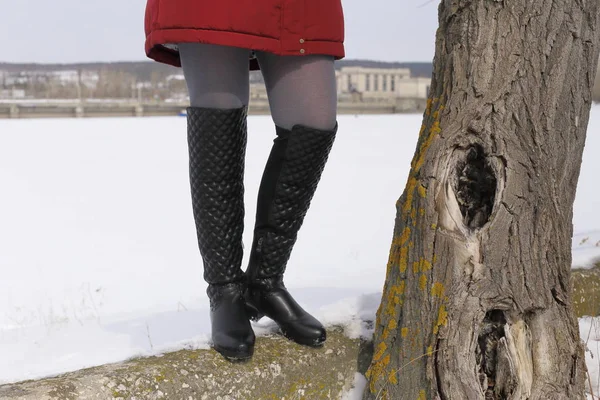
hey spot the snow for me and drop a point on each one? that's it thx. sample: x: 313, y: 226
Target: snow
x: 589, y: 329
x: 358, y: 388
x: 99, y: 253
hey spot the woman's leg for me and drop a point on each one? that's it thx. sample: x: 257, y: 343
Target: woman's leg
x: 302, y: 94
x: 217, y: 78
x: 301, y: 90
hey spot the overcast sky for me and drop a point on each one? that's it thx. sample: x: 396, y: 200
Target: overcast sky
x: 64, y: 31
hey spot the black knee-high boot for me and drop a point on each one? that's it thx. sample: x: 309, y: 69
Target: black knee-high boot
x: 217, y: 147
x: 289, y: 182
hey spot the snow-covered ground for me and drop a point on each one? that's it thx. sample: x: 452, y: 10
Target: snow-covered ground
x: 98, y: 252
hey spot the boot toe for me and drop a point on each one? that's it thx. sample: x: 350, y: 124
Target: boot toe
x: 295, y: 323
x: 306, y: 331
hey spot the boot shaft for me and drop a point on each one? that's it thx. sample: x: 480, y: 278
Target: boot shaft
x: 217, y: 147
x: 291, y: 177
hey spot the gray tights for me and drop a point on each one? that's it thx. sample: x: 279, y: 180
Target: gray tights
x: 301, y: 89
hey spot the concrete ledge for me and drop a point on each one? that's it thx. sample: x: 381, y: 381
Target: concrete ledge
x: 279, y: 369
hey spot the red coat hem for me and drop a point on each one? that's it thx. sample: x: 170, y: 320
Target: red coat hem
x: 156, y: 51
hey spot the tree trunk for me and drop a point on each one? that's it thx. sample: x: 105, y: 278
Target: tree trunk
x: 596, y: 92
x: 477, y: 303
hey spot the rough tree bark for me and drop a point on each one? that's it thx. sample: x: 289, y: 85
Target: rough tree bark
x: 476, y: 303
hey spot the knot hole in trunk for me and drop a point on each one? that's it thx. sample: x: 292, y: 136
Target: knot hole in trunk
x: 486, y: 355
x: 475, y: 187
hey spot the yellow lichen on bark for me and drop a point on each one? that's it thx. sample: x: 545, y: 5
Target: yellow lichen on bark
x: 399, y: 251
x: 380, y: 351
x: 397, y: 244
x: 442, y: 319
x: 420, y: 160
x: 437, y: 290
x: 392, y: 378
x: 428, y: 108
x: 435, y: 129
x: 413, y: 216
x: 391, y: 258
x: 377, y: 371
x: 411, y: 185
x: 394, y: 298
x: 430, y: 102
x: 426, y: 142
x: 416, y: 267
x: 403, y: 259
x: 405, y: 236
x: 423, y: 282
x: 392, y: 325
x: 425, y: 265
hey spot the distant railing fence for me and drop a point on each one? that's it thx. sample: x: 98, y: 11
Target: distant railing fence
x: 66, y: 109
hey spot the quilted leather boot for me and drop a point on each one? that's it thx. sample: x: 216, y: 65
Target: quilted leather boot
x: 217, y: 147
x: 288, y: 184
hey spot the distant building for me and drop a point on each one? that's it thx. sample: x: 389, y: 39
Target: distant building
x: 60, y: 77
x: 368, y: 84
x: 86, y: 78
x: 380, y: 84
x: 12, y: 94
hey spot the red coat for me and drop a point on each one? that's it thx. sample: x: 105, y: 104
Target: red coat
x: 284, y: 27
